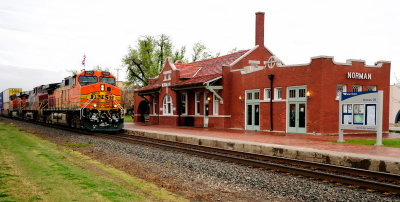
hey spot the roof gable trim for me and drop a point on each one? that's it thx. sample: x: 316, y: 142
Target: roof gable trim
x: 243, y: 56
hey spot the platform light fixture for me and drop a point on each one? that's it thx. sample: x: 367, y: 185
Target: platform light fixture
x: 308, y: 94
x: 240, y: 98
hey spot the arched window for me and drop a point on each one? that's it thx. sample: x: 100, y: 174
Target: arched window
x: 167, y: 105
x: 397, y: 119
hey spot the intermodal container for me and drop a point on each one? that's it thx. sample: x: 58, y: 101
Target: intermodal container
x: 10, y: 91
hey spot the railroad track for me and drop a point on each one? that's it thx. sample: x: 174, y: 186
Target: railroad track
x: 379, y: 181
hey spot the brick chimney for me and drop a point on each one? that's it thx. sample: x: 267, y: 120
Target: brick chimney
x: 260, y: 28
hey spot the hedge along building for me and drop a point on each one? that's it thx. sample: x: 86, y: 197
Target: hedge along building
x: 254, y: 90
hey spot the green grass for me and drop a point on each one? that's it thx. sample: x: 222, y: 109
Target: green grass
x: 79, y: 144
x: 128, y: 118
x: 32, y: 169
x: 386, y: 142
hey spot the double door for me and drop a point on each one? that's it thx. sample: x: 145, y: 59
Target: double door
x: 297, y: 117
x: 297, y: 110
x: 253, y: 110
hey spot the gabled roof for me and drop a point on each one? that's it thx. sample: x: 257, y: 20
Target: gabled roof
x: 196, y: 73
x: 197, y: 80
x: 210, y: 68
x: 214, y: 65
x: 187, y: 70
x: 150, y: 87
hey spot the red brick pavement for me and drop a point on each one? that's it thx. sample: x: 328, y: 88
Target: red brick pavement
x: 320, y: 142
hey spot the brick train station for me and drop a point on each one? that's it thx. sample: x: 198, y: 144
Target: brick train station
x: 255, y: 90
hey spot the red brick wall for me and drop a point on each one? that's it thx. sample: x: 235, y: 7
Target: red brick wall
x: 321, y: 78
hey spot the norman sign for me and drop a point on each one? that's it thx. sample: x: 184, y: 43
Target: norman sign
x: 358, y: 75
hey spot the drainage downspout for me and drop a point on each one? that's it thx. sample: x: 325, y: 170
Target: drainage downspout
x: 271, y: 80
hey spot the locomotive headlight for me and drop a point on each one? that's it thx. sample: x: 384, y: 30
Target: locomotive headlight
x: 94, y: 105
x: 115, y: 106
x: 102, y: 87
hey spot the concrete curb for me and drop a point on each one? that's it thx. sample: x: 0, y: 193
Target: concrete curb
x: 369, y: 162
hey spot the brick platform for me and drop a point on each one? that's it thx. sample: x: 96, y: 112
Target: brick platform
x: 298, y: 146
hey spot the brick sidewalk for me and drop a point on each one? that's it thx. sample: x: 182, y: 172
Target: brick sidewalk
x: 320, y: 142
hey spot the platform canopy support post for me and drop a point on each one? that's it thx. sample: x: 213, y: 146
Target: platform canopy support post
x: 341, y: 138
x: 379, y: 119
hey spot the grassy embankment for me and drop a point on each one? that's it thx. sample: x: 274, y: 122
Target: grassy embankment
x: 386, y: 142
x: 34, y: 169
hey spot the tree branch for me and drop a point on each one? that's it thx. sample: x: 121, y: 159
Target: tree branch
x: 137, y: 76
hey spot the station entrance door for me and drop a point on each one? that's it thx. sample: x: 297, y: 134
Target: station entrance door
x: 252, y: 110
x: 296, y: 109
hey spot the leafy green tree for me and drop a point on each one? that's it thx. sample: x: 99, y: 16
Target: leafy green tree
x: 180, y: 55
x: 234, y: 50
x: 201, y: 52
x: 147, y: 59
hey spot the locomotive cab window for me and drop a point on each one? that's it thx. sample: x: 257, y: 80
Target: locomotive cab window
x: 87, y: 80
x: 109, y: 80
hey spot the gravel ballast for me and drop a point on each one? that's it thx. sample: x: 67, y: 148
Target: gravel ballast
x: 200, y: 179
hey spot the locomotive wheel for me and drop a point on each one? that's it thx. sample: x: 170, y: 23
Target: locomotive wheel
x: 76, y: 122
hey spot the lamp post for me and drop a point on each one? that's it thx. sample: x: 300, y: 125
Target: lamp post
x: 271, y: 81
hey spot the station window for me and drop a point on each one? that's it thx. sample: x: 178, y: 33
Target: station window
x: 154, y: 105
x: 167, y: 105
x: 356, y: 88
x: 339, y: 89
x: 215, y: 105
x: 167, y: 75
x: 257, y: 95
x: 302, y: 92
x: 278, y: 93
x: 249, y: 96
x: 371, y: 88
x: 197, y: 103
x: 184, y: 103
x: 267, y: 93
x: 292, y: 93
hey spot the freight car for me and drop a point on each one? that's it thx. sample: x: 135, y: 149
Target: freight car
x: 88, y: 100
x: 5, y: 101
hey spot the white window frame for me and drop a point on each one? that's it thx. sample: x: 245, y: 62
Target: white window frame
x: 267, y: 93
x: 215, y: 105
x: 197, y: 100
x: 154, y: 105
x: 167, y: 105
x: 344, y: 89
x: 359, y: 88
x: 184, y: 103
x: 277, y: 95
x: 371, y: 88
x: 167, y: 75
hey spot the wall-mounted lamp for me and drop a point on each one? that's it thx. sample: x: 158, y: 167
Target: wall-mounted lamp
x: 240, y: 98
x: 308, y: 94
x: 208, y: 98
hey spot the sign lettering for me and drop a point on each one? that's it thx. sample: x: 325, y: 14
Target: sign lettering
x: 165, y: 84
x: 358, y: 75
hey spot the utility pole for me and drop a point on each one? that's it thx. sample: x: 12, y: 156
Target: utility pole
x: 117, y: 73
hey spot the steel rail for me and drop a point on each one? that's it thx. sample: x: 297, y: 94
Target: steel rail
x: 263, y: 161
x: 277, y: 159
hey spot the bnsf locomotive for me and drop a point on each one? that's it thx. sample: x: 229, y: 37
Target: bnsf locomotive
x: 88, y: 100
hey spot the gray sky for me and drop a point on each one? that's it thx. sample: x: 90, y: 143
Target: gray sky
x: 41, y: 39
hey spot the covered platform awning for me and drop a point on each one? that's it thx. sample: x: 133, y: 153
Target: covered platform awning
x: 201, y: 82
x: 149, y: 90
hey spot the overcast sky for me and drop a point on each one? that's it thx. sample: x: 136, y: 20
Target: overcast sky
x: 40, y: 40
